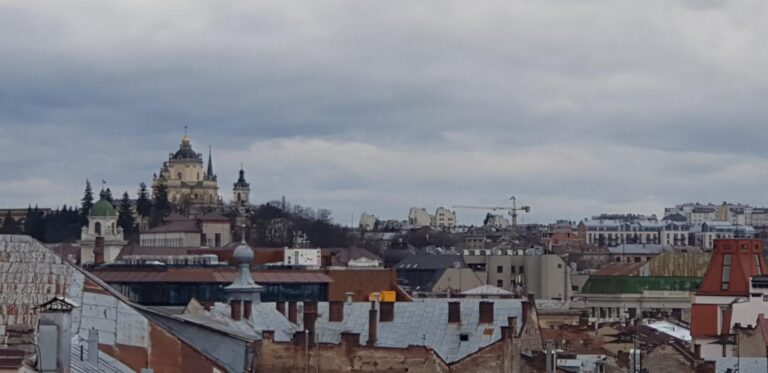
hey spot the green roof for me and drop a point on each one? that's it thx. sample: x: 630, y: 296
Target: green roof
x: 637, y: 284
x: 103, y: 208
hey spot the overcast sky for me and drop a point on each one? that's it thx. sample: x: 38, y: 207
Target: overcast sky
x: 575, y: 107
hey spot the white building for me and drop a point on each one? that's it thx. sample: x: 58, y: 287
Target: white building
x: 419, y: 217
x: 102, y: 223
x: 444, y: 218
x: 368, y: 222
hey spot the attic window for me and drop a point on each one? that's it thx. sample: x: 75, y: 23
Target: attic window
x: 464, y: 337
x: 726, y: 272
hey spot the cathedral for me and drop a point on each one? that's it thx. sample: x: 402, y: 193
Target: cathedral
x: 190, y: 183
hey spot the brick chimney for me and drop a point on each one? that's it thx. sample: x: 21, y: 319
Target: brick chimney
x: 454, y: 312
x: 336, y: 311
x: 310, y: 315
x: 280, y: 307
x: 372, y: 325
x: 486, y: 312
x: 98, y: 251
x: 234, y: 306
x: 387, y: 311
x: 292, y: 312
x: 247, y: 309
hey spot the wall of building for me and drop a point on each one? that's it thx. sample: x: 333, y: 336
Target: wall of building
x: 170, y: 239
x: 210, y: 229
x: 456, y: 280
x: 547, y: 276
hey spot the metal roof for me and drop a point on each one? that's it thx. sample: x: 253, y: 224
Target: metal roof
x: 424, y: 323
x: 205, y: 275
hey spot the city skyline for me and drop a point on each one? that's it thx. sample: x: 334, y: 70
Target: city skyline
x: 644, y: 107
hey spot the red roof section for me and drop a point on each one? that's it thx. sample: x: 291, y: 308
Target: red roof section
x: 745, y: 255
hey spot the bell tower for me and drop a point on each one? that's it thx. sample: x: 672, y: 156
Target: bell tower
x: 241, y: 190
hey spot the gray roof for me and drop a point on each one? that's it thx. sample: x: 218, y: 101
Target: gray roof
x: 430, y: 262
x: 107, y: 364
x: 424, y: 323
x: 636, y: 249
x: 264, y: 316
x: 746, y: 364
x: 486, y: 290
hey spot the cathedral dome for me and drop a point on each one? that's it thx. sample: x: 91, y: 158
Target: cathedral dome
x: 103, y: 208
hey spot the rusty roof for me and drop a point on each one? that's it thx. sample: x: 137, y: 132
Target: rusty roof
x: 204, y: 275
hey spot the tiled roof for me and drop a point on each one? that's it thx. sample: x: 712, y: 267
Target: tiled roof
x: 636, y: 284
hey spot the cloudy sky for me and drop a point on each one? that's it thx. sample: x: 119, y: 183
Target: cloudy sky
x: 576, y: 107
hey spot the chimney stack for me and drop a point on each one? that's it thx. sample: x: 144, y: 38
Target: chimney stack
x: 350, y: 296
x: 372, y: 325
x: 247, y: 309
x: 310, y: 315
x: 234, y: 306
x: 55, y: 334
x: 280, y: 307
x: 486, y: 312
x: 292, y: 314
x: 335, y: 311
x: 98, y: 251
x: 93, y: 347
x: 387, y: 311
x: 454, y: 312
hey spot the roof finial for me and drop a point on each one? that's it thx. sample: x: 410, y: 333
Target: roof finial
x: 242, y: 233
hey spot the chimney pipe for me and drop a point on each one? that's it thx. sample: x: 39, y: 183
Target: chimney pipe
x: 350, y: 296
x: 292, y: 312
x: 336, y: 311
x: 247, y: 308
x: 454, y: 312
x: 234, y: 306
x: 372, y: 325
x: 93, y: 347
x: 280, y: 307
x: 98, y: 251
x: 486, y: 312
x: 387, y: 311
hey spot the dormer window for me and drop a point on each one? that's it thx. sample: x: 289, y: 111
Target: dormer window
x: 726, y: 279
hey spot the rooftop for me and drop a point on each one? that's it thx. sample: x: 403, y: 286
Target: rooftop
x: 637, y: 285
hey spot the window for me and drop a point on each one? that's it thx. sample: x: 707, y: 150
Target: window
x: 559, y: 265
x: 521, y: 270
x: 512, y: 270
x: 618, y: 259
x: 499, y: 269
x: 500, y: 283
x: 97, y: 228
x: 637, y: 259
x: 726, y: 272
x: 575, y: 288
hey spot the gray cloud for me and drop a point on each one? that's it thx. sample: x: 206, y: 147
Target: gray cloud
x: 577, y: 107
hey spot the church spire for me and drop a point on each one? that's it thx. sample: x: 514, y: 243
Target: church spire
x: 210, y: 174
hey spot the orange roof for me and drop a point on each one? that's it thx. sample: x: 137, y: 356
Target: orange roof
x: 747, y: 260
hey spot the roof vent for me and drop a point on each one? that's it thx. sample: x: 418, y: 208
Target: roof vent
x: 464, y: 337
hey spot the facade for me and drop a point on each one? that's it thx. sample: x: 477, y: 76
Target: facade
x: 734, y: 277
x: 620, y: 298
x: 368, y: 222
x: 204, y: 231
x: 419, y: 217
x: 187, y: 181
x: 546, y: 276
x: 705, y: 234
x: 444, y: 218
x: 102, y: 227
x: 241, y: 190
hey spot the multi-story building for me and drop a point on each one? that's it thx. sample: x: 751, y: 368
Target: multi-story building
x: 606, y: 230
x: 705, y: 234
x: 443, y: 218
x: 547, y: 276
x: 368, y: 222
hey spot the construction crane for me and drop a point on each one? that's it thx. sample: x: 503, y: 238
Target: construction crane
x: 513, y: 210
